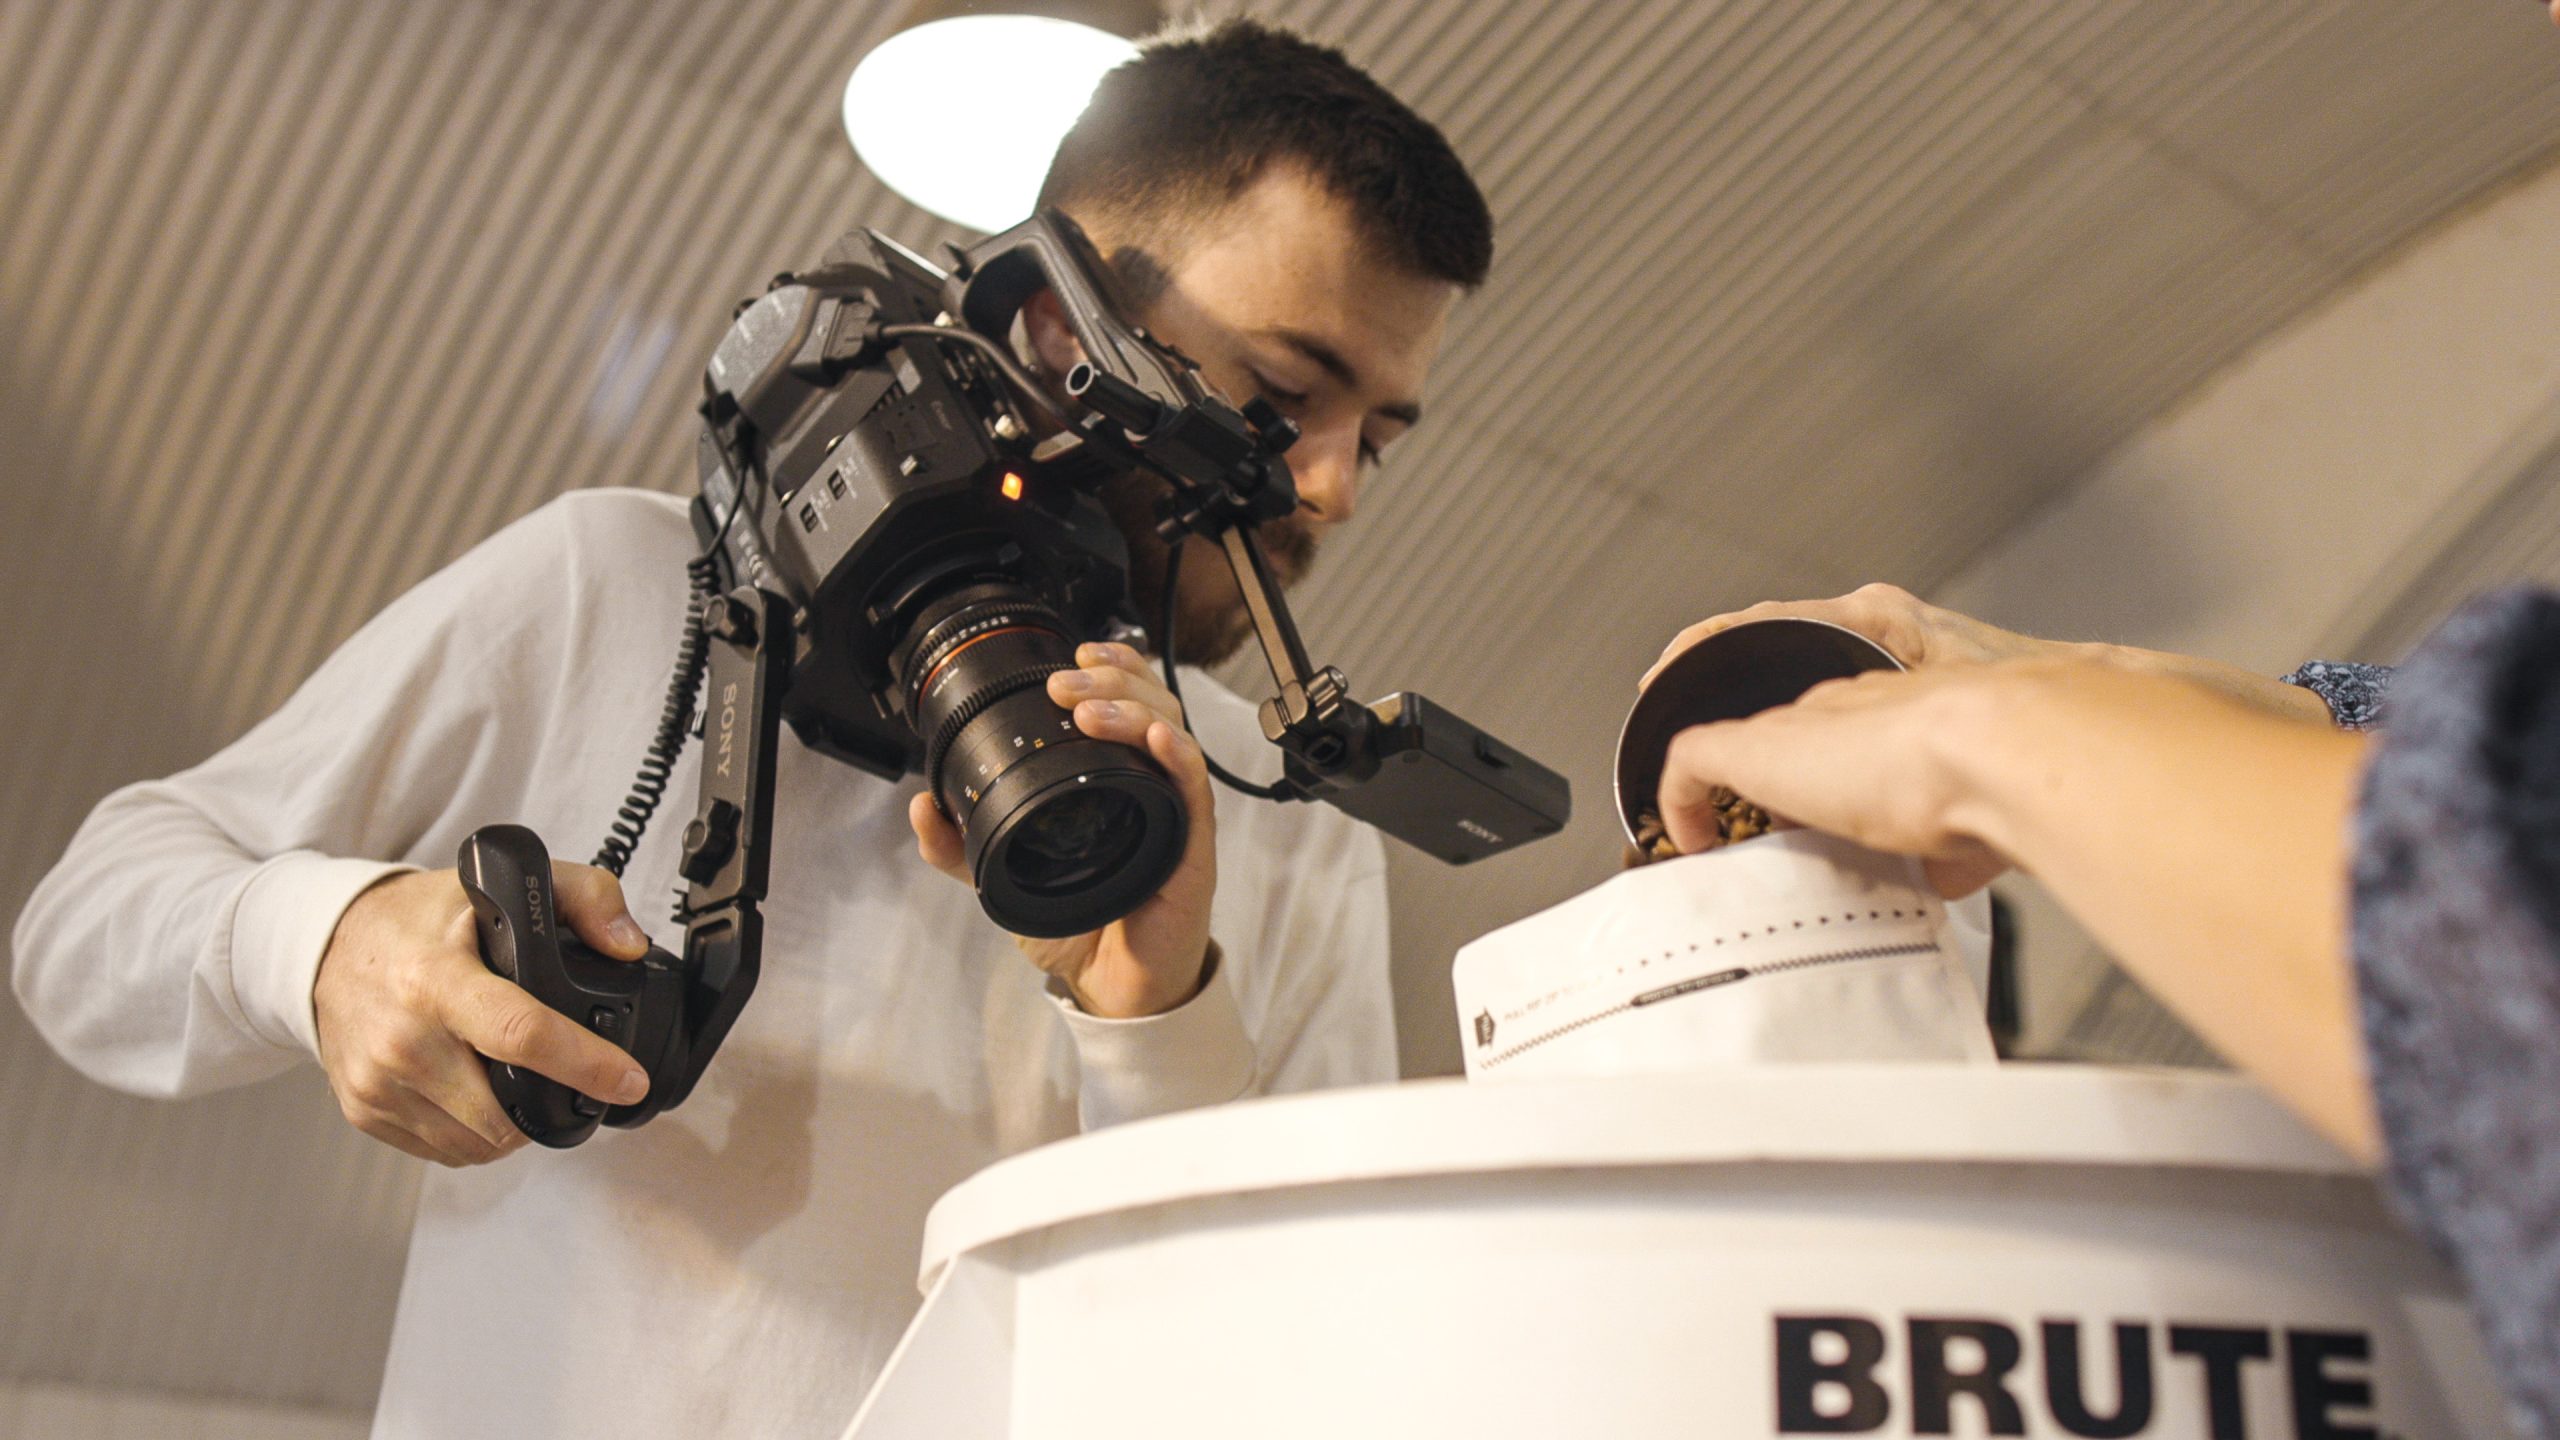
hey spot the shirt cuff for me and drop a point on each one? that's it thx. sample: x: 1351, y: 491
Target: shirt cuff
x: 279, y: 930
x: 2353, y: 692
x: 1192, y: 1055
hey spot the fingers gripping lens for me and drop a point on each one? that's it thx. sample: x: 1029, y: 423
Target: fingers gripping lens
x: 1063, y: 833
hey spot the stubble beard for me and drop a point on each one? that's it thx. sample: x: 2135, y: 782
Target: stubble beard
x: 1210, y: 621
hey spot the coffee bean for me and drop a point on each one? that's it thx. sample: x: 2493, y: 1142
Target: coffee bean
x: 1737, y: 820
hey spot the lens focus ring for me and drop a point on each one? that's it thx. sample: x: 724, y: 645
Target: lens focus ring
x: 981, y: 699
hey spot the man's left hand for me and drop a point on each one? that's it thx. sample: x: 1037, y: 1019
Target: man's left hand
x: 1148, y: 961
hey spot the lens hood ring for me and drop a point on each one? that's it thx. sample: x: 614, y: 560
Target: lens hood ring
x: 945, y: 636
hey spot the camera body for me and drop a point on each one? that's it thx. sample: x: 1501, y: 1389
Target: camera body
x: 884, y: 479
x: 881, y: 479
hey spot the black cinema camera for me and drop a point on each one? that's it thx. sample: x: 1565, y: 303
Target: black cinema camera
x: 902, y: 541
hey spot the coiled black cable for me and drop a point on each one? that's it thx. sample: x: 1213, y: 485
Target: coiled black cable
x: 693, y: 656
x: 675, y: 722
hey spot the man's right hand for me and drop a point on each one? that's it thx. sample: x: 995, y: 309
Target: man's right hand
x: 407, y: 1010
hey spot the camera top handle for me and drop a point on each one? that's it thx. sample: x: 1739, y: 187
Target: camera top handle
x: 990, y: 283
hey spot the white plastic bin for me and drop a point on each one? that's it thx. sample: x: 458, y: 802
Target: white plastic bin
x: 1796, y: 1250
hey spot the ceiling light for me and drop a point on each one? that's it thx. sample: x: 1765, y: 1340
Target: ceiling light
x: 960, y: 110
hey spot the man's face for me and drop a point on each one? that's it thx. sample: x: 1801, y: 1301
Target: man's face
x: 1278, y: 298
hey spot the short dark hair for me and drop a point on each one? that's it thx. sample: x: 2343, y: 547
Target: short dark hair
x: 1178, y: 132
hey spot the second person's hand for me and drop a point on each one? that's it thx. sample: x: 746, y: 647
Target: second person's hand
x: 1866, y: 759
x: 1909, y: 628
x: 1924, y: 636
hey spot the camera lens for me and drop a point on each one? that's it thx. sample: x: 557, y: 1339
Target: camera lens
x: 1063, y: 833
x: 1076, y: 840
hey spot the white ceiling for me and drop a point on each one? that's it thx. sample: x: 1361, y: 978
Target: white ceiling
x: 299, y: 298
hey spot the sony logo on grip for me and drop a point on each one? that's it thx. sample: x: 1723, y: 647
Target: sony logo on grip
x: 1835, y: 1375
x: 728, y: 726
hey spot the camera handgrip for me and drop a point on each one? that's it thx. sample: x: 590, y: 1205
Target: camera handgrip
x: 506, y: 873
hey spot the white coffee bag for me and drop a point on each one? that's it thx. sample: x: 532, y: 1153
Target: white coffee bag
x: 1791, y: 947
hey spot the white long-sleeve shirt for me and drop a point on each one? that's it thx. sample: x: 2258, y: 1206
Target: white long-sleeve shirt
x: 741, y: 1265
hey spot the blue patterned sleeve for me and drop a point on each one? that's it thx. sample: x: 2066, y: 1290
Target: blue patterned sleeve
x: 2456, y: 925
x: 2353, y: 692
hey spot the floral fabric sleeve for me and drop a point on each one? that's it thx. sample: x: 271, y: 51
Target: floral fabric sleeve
x: 2456, y: 937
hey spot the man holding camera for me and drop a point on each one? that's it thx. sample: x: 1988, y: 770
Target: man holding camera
x: 744, y: 1264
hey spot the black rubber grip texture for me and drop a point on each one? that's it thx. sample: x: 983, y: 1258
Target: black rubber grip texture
x: 985, y: 698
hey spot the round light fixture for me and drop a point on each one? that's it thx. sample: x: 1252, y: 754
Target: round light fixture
x: 960, y: 110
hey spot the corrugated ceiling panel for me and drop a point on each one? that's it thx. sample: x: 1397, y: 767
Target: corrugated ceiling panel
x: 1952, y: 394
x: 298, y: 300
x: 2141, y: 62
x: 1676, y: 295
x: 2285, y: 103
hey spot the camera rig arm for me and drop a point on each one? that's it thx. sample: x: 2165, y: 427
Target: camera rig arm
x: 669, y: 1013
x: 727, y: 851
